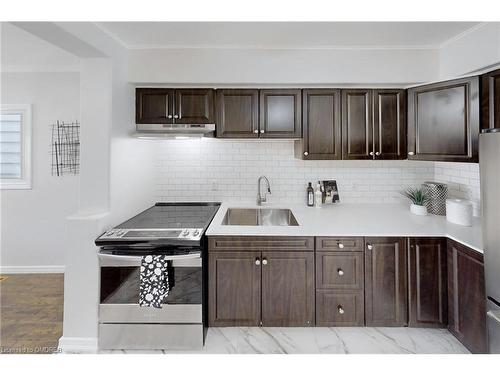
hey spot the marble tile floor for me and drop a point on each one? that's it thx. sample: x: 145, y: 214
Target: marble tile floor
x: 320, y: 340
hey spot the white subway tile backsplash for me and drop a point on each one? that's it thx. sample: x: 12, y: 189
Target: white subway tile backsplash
x: 212, y: 169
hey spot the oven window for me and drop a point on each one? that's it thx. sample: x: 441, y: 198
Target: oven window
x: 120, y: 285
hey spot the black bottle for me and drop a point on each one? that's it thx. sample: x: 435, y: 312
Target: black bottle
x: 310, y: 195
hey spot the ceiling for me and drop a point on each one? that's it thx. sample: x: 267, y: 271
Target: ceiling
x: 285, y: 34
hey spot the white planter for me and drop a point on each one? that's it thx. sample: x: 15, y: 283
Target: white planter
x: 418, y: 210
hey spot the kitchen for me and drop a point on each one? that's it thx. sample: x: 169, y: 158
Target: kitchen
x: 271, y: 197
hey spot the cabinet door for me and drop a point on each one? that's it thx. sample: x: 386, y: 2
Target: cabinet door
x: 339, y: 270
x: 443, y: 121
x: 280, y: 114
x: 389, y: 122
x: 194, y: 106
x: 287, y: 289
x: 490, y: 100
x: 339, y: 308
x: 385, y: 282
x: 321, y: 127
x: 467, y: 297
x: 237, y: 113
x: 357, y: 124
x: 427, y: 282
x: 234, y: 288
x: 154, y: 106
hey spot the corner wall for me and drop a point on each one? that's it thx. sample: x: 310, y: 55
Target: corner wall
x: 34, y: 220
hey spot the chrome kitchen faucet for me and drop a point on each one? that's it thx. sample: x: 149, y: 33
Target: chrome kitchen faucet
x: 261, y: 199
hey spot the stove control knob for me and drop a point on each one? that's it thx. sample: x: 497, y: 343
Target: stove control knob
x: 196, y: 232
x: 185, y: 233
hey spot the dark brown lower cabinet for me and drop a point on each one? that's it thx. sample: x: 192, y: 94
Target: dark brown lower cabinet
x: 252, y: 288
x: 287, y: 289
x: 386, y: 301
x: 340, y: 308
x: 427, y: 287
x: 466, y: 297
x: 234, y: 288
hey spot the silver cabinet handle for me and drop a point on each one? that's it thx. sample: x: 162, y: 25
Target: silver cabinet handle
x: 256, y: 131
x: 371, y: 153
x: 169, y: 116
x: 306, y: 153
x: 264, y: 261
x: 340, y: 272
x: 341, y: 245
x: 176, y: 116
x: 377, y: 153
x: 261, y: 131
x: 370, y: 247
x: 257, y: 262
x: 340, y: 309
x: 411, y: 153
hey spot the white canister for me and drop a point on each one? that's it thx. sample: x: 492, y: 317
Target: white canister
x: 459, y: 211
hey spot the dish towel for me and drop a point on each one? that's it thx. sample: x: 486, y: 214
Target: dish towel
x: 154, y: 284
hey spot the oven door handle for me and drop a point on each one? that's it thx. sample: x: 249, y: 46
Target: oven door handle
x: 125, y: 260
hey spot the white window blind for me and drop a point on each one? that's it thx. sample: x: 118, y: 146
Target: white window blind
x: 15, y: 146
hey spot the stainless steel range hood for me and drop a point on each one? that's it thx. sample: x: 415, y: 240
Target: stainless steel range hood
x: 174, y: 131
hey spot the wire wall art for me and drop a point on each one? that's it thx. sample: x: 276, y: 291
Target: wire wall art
x: 65, y: 148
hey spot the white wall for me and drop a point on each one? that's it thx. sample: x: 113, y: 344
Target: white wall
x: 283, y: 66
x: 215, y: 170
x: 34, y: 221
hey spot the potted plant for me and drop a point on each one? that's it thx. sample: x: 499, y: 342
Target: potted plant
x: 418, y: 198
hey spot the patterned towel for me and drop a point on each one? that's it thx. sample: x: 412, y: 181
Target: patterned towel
x: 154, y: 280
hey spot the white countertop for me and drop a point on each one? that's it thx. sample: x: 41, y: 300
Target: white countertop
x: 352, y: 219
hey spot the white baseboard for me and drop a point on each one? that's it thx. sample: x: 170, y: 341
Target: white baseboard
x: 83, y: 345
x: 31, y: 269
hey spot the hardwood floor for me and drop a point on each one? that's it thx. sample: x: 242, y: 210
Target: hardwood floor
x: 31, y: 312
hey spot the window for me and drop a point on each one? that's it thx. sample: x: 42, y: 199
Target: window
x: 15, y: 146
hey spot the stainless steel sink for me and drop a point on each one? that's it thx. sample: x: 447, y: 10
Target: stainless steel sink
x: 259, y: 216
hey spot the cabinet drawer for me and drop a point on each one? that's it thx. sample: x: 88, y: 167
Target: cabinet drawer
x: 237, y: 243
x: 339, y: 270
x: 339, y: 308
x: 339, y: 243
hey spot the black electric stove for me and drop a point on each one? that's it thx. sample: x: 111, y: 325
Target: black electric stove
x: 166, y: 226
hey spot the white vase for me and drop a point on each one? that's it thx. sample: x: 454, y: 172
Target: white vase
x: 418, y: 210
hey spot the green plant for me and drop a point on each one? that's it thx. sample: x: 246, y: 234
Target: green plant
x: 418, y: 196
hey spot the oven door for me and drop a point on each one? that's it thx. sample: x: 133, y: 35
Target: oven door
x: 119, y: 291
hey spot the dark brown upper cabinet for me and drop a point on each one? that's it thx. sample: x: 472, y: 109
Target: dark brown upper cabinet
x: 389, y: 124
x: 174, y: 106
x: 373, y: 124
x: 490, y: 100
x: 427, y: 283
x: 443, y: 121
x: 154, y: 106
x: 321, y: 126
x: 194, y: 106
x: 237, y: 113
x: 280, y: 114
x: 467, y: 297
x: 386, y: 299
x: 357, y: 124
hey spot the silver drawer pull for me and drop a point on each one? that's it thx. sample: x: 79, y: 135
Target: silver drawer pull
x: 340, y: 272
x: 370, y: 247
x: 341, y: 245
x: 340, y: 309
x: 306, y: 153
x: 257, y: 262
x: 371, y: 153
x: 411, y: 153
x: 264, y: 261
